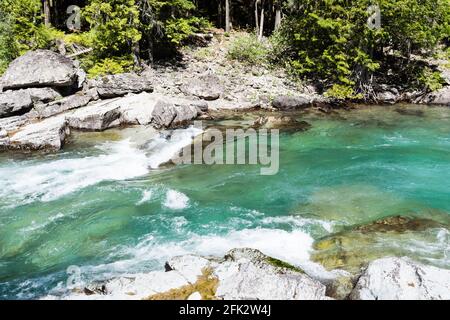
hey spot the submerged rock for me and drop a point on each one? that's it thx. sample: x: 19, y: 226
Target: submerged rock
x: 40, y: 68
x: 402, y: 279
x: 354, y: 247
x: 281, y: 122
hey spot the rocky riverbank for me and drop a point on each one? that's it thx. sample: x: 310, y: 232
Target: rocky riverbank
x: 46, y: 95
x: 248, y: 274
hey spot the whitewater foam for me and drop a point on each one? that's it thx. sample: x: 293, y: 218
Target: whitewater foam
x: 146, y: 197
x: 176, y: 200
x: 56, y: 178
x: 291, y: 246
x: 166, y: 146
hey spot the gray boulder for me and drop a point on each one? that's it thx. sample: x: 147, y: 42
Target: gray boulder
x: 241, y: 274
x: 291, y: 102
x: 95, y: 117
x: 49, y: 134
x: 121, y: 84
x: 441, y: 97
x: 402, y: 279
x: 18, y: 102
x: 249, y: 274
x: 78, y: 100
x: 387, y: 97
x: 15, y: 103
x: 13, y: 123
x: 207, y: 87
x: 163, y: 114
x: 40, y: 68
x: 185, y: 113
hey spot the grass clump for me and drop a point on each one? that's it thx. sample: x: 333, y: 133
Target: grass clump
x: 249, y: 50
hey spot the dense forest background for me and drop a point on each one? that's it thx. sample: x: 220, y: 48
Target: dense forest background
x: 336, y: 44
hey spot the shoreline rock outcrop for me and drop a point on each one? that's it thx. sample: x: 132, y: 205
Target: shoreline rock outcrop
x: 47, y: 95
x: 248, y: 274
x: 402, y: 279
x: 241, y: 274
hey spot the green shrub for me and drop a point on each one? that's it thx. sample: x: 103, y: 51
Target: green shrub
x: 330, y: 40
x: 431, y: 80
x: 113, y: 65
x: 178, y: 30
x: 247, y: 49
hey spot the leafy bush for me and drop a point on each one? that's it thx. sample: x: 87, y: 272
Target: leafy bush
x: 113, y: 65
x: 431, y: 80
x: 114, y: 26
x: 22, y: 29
x: 7, y: 51
x: 330, y: 40
x: 247, y: 49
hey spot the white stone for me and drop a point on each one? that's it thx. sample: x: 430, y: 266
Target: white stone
x: 189, y: 266
x: 97, y: 116
x: 248, y: 275
x: 47, y: 134
x: 402, y: 279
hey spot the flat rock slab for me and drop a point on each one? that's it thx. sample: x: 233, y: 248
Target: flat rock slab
x: 402, y: 279
x: 20, y: 132
x: 40, y: 68
x: 96, y: 117
x: 291, y: 102
x: 249, y: 274
x: 75, y: 101
x: 119, y: 85
x: 49, y: 134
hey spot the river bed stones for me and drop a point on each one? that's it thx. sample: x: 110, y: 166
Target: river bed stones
x: 285, y: 123
x: 354, y: 247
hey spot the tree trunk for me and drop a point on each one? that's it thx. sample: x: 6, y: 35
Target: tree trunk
x: 261, y: 24
x: 47, y: 14
x: 277, y: 18
x: 227, y: 16
x: 257, y: 16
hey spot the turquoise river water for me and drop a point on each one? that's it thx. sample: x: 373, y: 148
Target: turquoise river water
x: 99, y: 204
